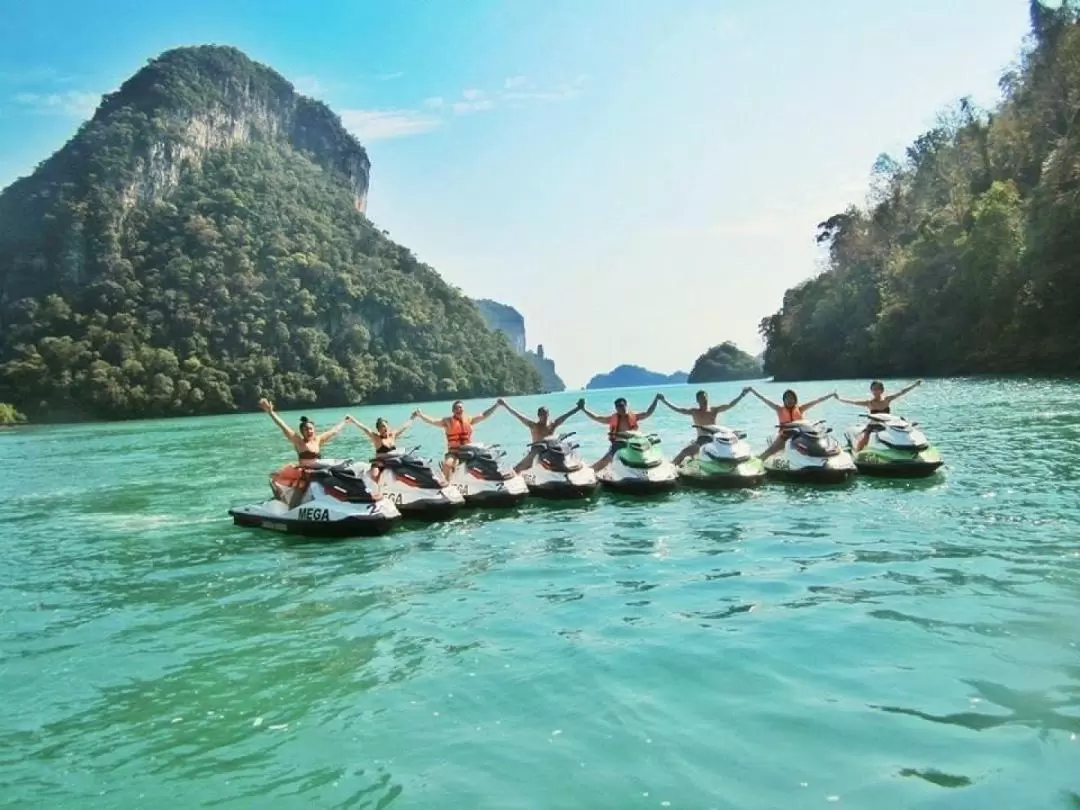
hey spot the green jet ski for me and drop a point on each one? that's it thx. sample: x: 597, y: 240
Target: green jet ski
x: 896, y: 448
x: 638, y: 466
x: 724, y: 461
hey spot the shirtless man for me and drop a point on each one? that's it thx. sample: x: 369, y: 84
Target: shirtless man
x: 621, y: 420
x: 458, y: 427
x: 540, y: 429
x: 702, y: 415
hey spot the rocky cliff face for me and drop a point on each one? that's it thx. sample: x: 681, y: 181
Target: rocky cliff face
x: 503, y: 318
x: 207, y: 98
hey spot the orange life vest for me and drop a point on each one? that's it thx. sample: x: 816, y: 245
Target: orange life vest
x: 790, y: 414
x: 458, y: 432
x: 613, y: 423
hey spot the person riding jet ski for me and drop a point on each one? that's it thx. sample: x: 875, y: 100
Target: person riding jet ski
x: 540, y: 429
x: 308, y: 446
x: 459, y: 430
x: 383, y: 439
x: 790, y: 411
x: 621, y: 421
x: 702, y: 416
x: 878, y: 403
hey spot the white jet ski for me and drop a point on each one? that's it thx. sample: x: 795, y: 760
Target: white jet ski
x: 638, y: 467
x: 896, y: 448
x: 416, y: 487
x: 340, y: 500
x: 558, y: 471
x: 810, y: 454
x: 483, y: 479
x: 725, y: 460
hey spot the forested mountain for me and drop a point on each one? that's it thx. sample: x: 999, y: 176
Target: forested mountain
x: 967, y: 256
x: 722, y: 363
x: 201, y: 243
x: 504, y: 318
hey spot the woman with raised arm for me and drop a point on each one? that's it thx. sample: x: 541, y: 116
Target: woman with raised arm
x: 541, y: 429
x: 790, y: 411
x: 308, y: 446
x: 383, y: 439
x: 878, y: 403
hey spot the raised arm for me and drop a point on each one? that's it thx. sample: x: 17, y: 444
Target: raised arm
x: 817, y: 401
x: 594, y: 416
x: 485, y: 414
x: 403, y: 428
x: 423, y: 417
x: 268, y: 406
x: 903, y: 391
x: 649, y: 411
x: 859, y: 403
x: 676, y: 408
x: 558, y: 422
x: 335, y: 430
x: 732, y: 404
x: 768, y: 402
x: 515, y: 413
x: 371, y: 434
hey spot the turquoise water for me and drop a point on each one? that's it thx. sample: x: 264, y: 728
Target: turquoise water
x: 884, y: 645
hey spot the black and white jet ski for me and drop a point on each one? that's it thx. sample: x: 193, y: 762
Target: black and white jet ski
x: 810, y: 454
x: 340, y: 500
x: 558, y: 471
x: 484, y: 479
x: 416, y: 487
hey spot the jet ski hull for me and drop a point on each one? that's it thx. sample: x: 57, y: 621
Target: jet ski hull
x: 564, y: 490
x: 634, y: 481
x: 316, y: 521
x: 741, y: 476
x: 895, y: 448
x: 874, y: 464
x: 812, y: 475
x: 490, y: 494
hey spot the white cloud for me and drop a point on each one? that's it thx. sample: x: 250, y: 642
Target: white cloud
x: 382, y: 125
x: 472, y: 94
x: 72, y: 102
x: 465, y: 107
x: 435, y: 102
x: 386, y: 77
x: 515, y: 81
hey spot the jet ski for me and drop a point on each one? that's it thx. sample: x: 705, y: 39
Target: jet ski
x: 896, y: 448
x: 725, y: 462
x: 810, y: 454
x: 417, y: 488
x: 557, y: 470
x: 339, y: 500
x: 638, y: 467
x: 483, y: 479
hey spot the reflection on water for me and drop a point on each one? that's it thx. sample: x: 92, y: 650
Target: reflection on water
x: 886, y: 644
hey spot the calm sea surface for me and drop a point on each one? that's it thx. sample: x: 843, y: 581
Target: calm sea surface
x: 883, y: 645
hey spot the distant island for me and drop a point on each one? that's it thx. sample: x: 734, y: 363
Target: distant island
x: 628, y: 376
x: 965, y: 259
x: 507, y: 320
x: 723, y: 363
x: 202, y: 242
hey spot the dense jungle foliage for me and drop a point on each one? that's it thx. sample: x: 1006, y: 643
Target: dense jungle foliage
x: 253, y: 275
x: 722, y: 363
x: 967, y: 257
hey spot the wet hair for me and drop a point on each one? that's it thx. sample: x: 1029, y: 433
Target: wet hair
x: 619, y: 401
x: 305, y: 421
x: 877, y: 384
x: 793, y: 395
x: 700, y: 394
x: 379, y: 421
x: 456, y: 403
x: 543, y: 409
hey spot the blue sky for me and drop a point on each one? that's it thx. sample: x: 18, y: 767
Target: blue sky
x: 640, y: 179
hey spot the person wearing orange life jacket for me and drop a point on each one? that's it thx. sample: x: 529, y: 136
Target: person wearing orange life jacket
x: 458, y: 427
x: 790, y: 411
x: 618, y: 422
